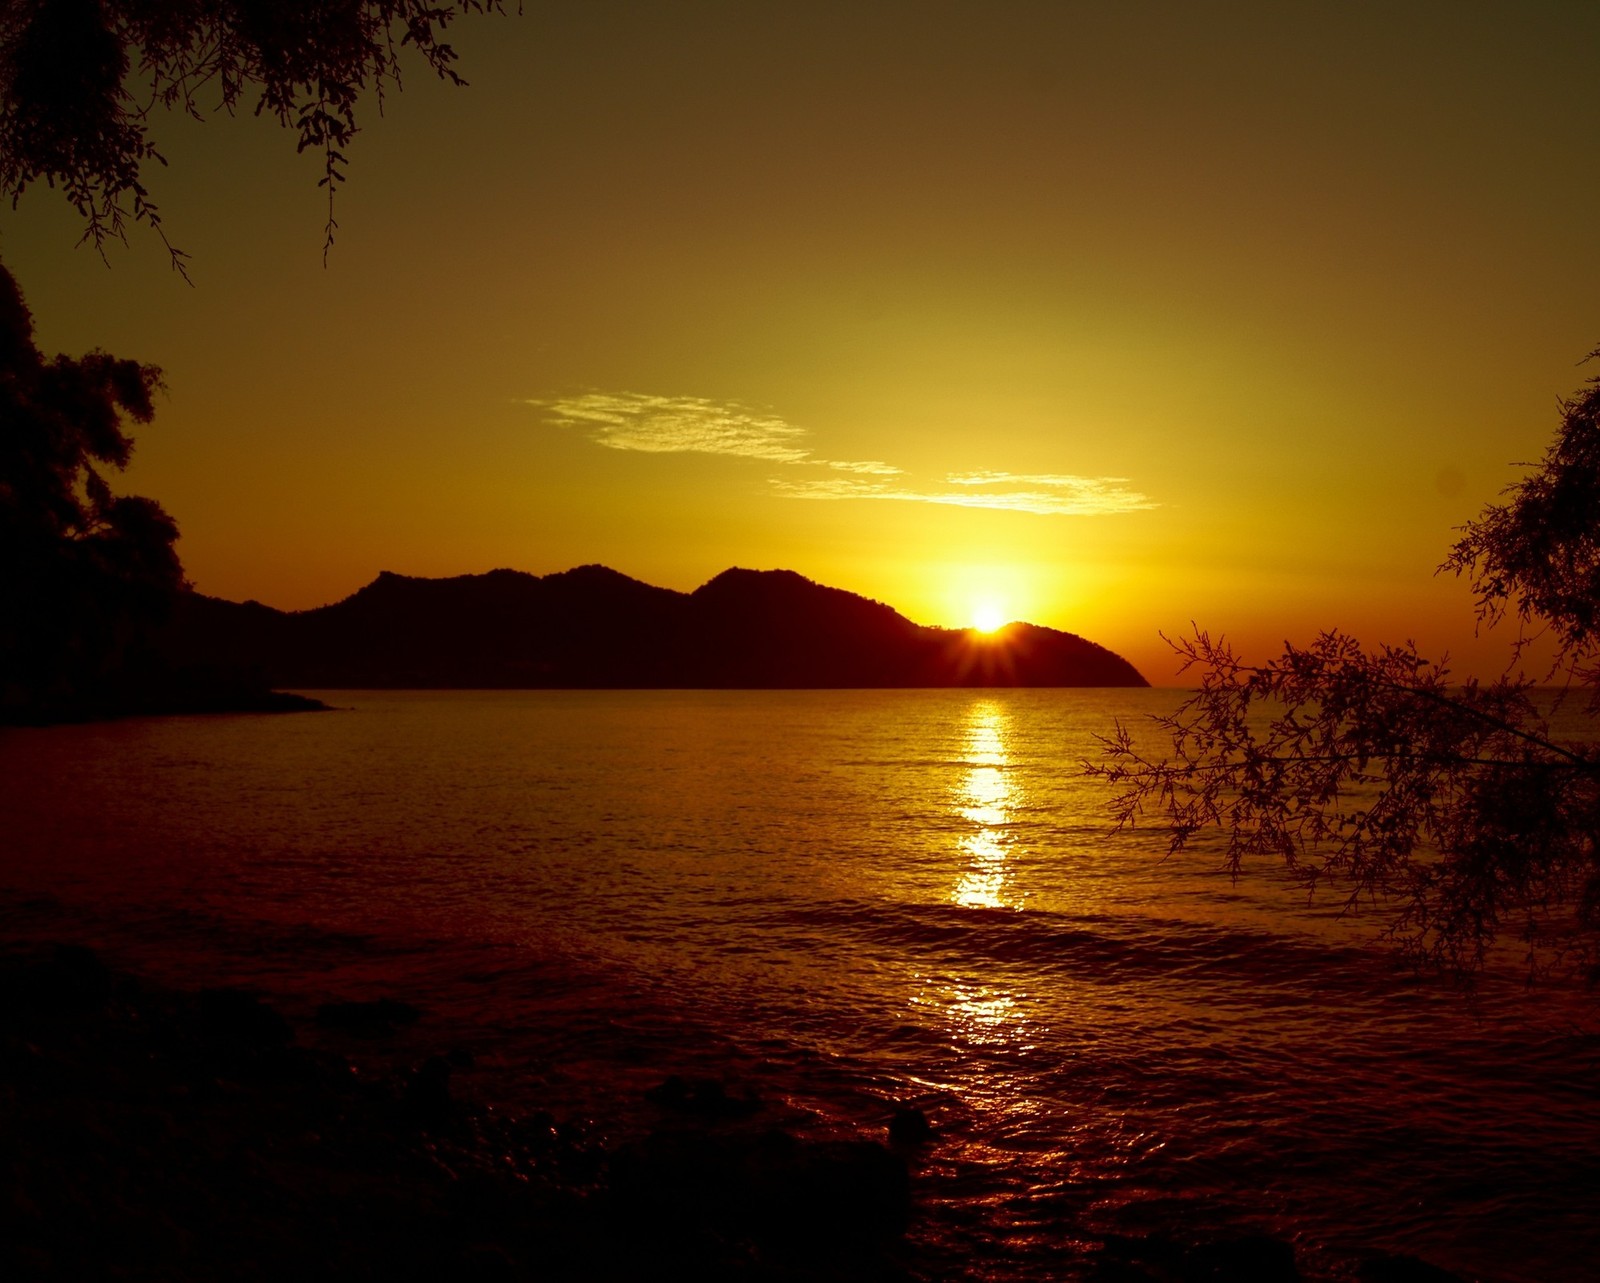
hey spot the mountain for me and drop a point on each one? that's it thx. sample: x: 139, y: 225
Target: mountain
x: 593, y: 627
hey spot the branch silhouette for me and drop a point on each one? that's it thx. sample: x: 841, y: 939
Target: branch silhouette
x: 1453, y: 806
x: 80, y: 80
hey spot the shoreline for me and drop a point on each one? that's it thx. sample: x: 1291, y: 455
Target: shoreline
x: 192, y: 704
x: 199, y: 1133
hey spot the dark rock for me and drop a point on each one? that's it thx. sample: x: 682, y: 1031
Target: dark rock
x: 185, y: 1136
x: 70, y: 980
x: 1155, y: 1258
x: 1253, y: 1258
x: 849, y: 1190
x: 487, y: 1263
x: 1150, y: 1258
x: 428, y: 1089
x: 810, y: 1199
x: 702, y: 1097
x: 910, y: 1126
x: 239, y: 1017
x: 375, y: 1019
x: 1402, y: 1268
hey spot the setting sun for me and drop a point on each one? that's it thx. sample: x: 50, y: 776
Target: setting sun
x: 987, y: 617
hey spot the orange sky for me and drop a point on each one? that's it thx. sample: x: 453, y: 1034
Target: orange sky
x: 1117, y: 316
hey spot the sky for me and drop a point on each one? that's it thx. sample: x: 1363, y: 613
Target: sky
x: 1115, y: 318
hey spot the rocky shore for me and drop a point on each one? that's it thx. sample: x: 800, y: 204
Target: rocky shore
x: 197, y: 1135
x: 151, y: 1133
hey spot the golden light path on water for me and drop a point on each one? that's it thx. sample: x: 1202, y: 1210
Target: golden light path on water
x: 994, y: 1020
x: 984, y: 800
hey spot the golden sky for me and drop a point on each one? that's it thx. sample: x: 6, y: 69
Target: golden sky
x: 1114, y: 316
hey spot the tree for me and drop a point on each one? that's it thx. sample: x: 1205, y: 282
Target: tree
x: 1455, y: 806
x: 85, y: 575
x: 79, y: 80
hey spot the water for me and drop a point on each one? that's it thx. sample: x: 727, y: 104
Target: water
x: 841, y: 900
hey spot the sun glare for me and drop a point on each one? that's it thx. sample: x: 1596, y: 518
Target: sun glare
x: 986, y: 617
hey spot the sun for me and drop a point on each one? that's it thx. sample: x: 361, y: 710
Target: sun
x: 987, y: 617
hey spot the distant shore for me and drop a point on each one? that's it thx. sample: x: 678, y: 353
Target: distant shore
x: 593, y: 628
x: 164, y: 703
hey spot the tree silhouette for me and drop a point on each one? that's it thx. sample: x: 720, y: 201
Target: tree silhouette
x: 1455, y: 806
x: 80, y: 78
x: 84, y: 574
x: 1538, y: 554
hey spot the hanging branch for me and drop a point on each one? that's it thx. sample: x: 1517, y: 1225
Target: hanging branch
x: 69, y: 70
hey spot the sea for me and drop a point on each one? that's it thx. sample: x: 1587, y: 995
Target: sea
x: 843, y: 903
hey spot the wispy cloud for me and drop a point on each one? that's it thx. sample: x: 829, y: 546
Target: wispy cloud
x: 870, y: 466
x: 1052, y: 492
x: 679, y: 425
x: 695, y: 425
x: 1046, y: 495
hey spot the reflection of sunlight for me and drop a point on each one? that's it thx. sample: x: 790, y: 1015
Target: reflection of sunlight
x: 982, y: 1013
x: 987, y: 791
x: 983, y: 803
x: 986, y: 745
x: 990, y: 1010
x: 986, y: 872
x: 985, y: 800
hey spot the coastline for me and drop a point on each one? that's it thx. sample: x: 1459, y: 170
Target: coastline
x: 199, y: 1134
x: 179, y: 703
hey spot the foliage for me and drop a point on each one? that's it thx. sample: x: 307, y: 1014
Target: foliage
x: 1454, y: 806
x: 1538, y: 554
x: 84, y: 574
x: 80, y: 78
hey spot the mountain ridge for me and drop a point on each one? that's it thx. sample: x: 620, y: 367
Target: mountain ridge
x: 594, y: 627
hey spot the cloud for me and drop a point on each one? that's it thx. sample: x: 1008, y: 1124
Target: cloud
x: 695, y: 425
x: 679, y: 425
x: 1052, y: 492
x: 1056, y: 481
x: 1046, y: 495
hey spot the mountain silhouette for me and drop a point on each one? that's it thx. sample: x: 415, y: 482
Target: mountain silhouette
x: 594, y: 627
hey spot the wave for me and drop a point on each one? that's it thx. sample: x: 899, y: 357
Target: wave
x: 1088, y: 945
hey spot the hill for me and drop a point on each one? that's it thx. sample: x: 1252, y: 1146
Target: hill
x: 593, y: 627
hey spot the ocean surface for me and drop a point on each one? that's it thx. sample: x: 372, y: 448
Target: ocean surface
x: 841, y: 901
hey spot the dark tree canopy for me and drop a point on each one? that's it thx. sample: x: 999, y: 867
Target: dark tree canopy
x: 84, y: 574
x: 1372, y: 774
x: 80, y: 78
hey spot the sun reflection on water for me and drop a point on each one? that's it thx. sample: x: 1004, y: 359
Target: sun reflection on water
x: 986, y: 799
x: 984, y: 802
x: 983, y: 1012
